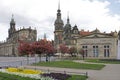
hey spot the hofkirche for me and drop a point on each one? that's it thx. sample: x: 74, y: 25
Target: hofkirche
x: 10, y: 46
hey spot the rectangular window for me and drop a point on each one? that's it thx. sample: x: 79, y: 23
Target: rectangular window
x: 95, y: 51
x: 106, y: 51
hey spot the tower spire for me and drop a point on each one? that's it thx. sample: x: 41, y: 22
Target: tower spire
x: 68, y: 18
x: 12, y: 20
x: 12, y: 26
x: 59, y: 5
x: 59, y: 22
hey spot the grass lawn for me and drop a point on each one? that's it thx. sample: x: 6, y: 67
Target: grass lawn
x: 5, y: 76
x: 103, y: 61
x: 70, y: 64
x: 78, y: 77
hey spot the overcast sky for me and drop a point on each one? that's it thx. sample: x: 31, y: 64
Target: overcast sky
x: 86, y: 14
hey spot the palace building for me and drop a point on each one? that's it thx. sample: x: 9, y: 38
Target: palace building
x: 96, y: 44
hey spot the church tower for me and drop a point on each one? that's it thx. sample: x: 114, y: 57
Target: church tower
x: 58, y: 33
x: 67, y: 32
x: 12, y: 27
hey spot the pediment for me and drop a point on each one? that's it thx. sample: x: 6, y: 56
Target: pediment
x: 98, y: 35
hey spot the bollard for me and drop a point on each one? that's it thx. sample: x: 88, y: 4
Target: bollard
x: 64, y: 72
x: 21, y: 63
x: 48, y: 71
x: 86, y: 74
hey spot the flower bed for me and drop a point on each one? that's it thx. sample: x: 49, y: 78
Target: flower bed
x: 25, y: 71
x: 57, y: 76
x: 29, y: 74
x: 36, y: 74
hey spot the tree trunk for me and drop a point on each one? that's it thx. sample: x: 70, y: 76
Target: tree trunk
x: 83, y: 57
x: 46, y: 58
x: 49, y: 57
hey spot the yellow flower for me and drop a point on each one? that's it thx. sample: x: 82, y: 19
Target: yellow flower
x: 24, y: 71
x: 12, y: 70
x: 29, y: 71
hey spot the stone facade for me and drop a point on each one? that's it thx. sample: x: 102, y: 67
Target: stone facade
x: 10, y: 46
x: 99, y: 47
x: 95, y: 44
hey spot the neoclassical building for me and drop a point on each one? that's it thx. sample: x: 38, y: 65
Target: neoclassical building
x: 10, y: 46
x: 95, y: 44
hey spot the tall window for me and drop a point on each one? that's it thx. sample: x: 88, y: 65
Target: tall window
x: 106, y: 51
x: 95, y: 51
x: 85, y: 50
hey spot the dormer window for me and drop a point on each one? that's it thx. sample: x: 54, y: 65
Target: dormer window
x: 75, y: 31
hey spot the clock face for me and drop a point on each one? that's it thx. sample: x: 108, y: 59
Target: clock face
x: 58, y: 14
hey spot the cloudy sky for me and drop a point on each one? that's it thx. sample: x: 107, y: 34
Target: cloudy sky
x: 86, y: 14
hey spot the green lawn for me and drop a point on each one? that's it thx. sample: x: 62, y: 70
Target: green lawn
x: 103, y: 61
x: 71, y: 64
x: 5, y: 76
x: 78, y: 77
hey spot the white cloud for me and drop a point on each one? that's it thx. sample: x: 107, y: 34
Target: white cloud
x: 42, y: 13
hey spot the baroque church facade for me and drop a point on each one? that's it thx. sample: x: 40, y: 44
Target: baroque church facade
x: 95, y: 44
x: 10, y: 46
